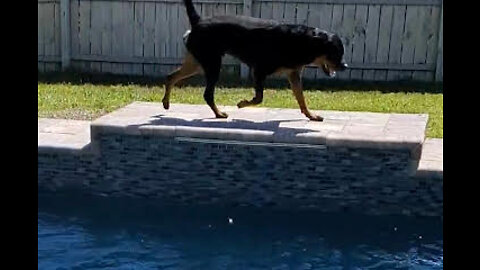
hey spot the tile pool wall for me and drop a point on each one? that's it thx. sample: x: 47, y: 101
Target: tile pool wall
x: 205, y: 171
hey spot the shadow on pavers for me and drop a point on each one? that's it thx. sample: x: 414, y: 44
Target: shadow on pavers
x: 271, y: 125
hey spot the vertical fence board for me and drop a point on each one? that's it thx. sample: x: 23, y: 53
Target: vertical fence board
x: 371, y: 40
x: 127, y: 26
x: 439, y: 68
x: 313, y: 20
x: 40, y: 33
x: 58, y: 29
x: 302, y: 13
x: 149, y: 35
x: 185, y: 25
x: 277, y: 11
x: 49, y: 35
x: 359, y: 39
x: 96, y: 34
x: 106, y: 11
x: 75, y: 31
x: 207, y: 9
x: 302, y: 18
x: 326, y: 16
x: 383, y: 47
x: 231, y: 9
x: 173, y: 27
x: 160, y: 36
x: 266, y: 10
x: 408, y: 40
x: 395, y: 55
x: 177, y: 35
x: 118, y: 44
x: 41, y: 27
x: 137, y: 69
x: 84, y: 32
x: 256, y: 9
x: 420, y: 52
x: 346, y: 29
x: 219, y: 9
x: 74, y: 26
x: 432, y: 40
x: 290, y: 12
x: 336, y: 27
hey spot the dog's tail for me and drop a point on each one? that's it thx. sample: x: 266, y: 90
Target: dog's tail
x: 193, y: 16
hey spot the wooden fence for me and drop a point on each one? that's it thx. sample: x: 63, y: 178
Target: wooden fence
x: 384, y: 39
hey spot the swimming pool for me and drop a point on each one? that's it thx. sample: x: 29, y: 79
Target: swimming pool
x: 77, y: 232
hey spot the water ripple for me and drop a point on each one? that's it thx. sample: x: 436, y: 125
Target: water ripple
x: 91, y: 234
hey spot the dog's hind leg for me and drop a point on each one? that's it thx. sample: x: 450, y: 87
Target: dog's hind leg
x: 259, y: 79
x: 296, y: 84
x: 212, y: 72
x: 189, y: 68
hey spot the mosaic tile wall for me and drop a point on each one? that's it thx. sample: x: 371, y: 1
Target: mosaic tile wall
x: 194, y: 171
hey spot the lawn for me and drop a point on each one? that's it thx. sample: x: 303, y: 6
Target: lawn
x: 88, y: 101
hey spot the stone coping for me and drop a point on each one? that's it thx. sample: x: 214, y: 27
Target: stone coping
x: 73, y: 136
x: 62, y: 135
x: 431, y: 161
x: 342, y: 129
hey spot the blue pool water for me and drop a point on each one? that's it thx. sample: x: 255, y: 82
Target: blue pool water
x: 102, y: 233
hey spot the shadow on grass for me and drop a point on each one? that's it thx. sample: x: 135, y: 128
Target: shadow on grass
x: 229, y: 80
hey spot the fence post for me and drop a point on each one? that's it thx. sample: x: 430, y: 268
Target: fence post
x: 247, y: 11
x: 65, y: 36
x: 439, y: 67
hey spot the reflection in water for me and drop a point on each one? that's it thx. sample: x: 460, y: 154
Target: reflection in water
x: 106, y: 233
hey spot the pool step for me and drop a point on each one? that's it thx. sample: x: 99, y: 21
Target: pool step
x: 63, y: 135
x: 431, y: 160
x: 350, y: 129
x: 271, y: 125
x: 369, y: 162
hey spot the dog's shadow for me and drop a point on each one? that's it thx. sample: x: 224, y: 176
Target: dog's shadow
x: 273, y: 125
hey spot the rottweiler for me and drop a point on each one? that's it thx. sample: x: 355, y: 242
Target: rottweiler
x: 266, y: 46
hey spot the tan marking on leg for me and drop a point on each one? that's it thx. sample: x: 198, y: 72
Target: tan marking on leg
x: 296, y: 84
x: 189, y: 68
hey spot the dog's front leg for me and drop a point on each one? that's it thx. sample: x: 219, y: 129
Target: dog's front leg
x: 296, y: 84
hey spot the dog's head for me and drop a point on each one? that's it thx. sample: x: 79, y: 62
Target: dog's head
x: 331, y: 53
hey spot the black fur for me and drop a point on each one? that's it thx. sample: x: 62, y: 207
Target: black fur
x: 263, y: 45
x: 266, y: 46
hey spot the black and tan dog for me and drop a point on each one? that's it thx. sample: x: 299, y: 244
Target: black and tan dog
x: 266, y: 46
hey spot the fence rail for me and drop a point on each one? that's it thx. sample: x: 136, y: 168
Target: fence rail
x: 384, y: 39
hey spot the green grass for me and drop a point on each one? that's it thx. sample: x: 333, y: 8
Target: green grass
x: 88, y: 101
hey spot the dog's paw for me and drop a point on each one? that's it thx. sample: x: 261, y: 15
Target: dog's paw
x: 221, y: 115
x: 166, y: 104
x: 314, y: 117
x: 243, y: 103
